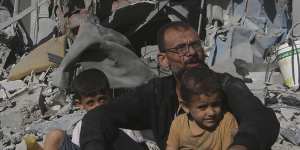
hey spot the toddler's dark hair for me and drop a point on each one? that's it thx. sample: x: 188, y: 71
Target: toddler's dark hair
x: 199, y: 81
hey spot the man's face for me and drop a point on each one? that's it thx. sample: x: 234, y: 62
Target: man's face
x: 206, y: 110
x: 90, y: 102
x: 181, y: 50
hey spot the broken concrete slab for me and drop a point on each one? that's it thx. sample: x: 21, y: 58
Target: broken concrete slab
x: 291, y: 101
x: 66, y: 122
x: 12, y: 86
x: 10, y: 147
x: 21, y: 146
x: 288, y: 113
x: 3, y: 94
x: 291, y: 135
x: 14, y: 118
x: 278, y: 146
x: 4, y: 54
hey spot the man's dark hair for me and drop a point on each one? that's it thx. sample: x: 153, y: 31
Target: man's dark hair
x: 90, y: 82
x: 176, y: 25
x: 199, y: 81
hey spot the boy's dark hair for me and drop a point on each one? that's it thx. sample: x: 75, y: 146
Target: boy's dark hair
x: 90, y: 82
x: 177, y: 25
x: 199, y: 81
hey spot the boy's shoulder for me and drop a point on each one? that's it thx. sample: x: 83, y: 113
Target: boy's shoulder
x: 180, y: 121
x: 182, y: 118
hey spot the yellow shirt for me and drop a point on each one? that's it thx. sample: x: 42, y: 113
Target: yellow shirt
x: 187, y: 135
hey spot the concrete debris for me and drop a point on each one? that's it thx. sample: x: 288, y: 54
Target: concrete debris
x: 30, y: 104
x: 291, y: 101
x: 10, y: 147
x: 284, y: 102
x: 288, y: 113
x: 22, y: 105
x: 291, y: 135
x: 12, y: 86
x: 21, y: 146
x: 66, y: 122
x: 4, y: 54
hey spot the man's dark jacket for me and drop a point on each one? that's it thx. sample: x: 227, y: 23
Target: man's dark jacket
x: 153, y: 106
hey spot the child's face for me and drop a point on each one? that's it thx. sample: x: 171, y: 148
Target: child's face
x: 206, y: 110
x: 90, y: 102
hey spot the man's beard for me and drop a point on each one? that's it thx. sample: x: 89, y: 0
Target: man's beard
x: 177, y: 69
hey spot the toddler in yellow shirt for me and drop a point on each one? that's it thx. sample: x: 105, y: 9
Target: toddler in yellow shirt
x: 206, y: 125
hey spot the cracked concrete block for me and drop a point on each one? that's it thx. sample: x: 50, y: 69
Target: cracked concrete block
x: 291, y: 100
x: 56, y: 107
x: 64, y: 110
x: 16, y: 138
x: 11, y: 86
x: 278, y: 146
x: 66, y: 122
x: 21, y: 146
x: 3, y: 95
x: 15, y: 117
x: 287, y: 113
x: 10, y: 147
x: 291, y: 135
x: 1, y: 135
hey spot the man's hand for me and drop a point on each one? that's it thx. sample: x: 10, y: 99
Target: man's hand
x: 237, y: 147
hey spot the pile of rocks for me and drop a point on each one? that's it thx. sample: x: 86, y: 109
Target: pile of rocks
x: 286, y: 105
x: 33, y: 106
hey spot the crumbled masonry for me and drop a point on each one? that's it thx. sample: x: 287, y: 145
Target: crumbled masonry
x: 32, y: 102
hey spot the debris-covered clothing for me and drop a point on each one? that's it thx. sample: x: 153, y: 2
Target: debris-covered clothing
x: 67, y: 144
x: 76, y: 133
x: 153, y: 105
x: 186, y: 134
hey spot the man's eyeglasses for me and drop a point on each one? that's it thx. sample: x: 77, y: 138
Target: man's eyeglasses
x: 184, y: 48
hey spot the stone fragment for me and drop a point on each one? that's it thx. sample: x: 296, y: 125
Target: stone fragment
x: 12, y: 86
x: 287, y: 113
x: 21, y: 146
x: 16, y: 138
x: 14, y: 118
x: 10, y: 147
x: 291, y: 135
x: 65, y: 122
x: 3, y: 94
x: 278, y: 146
x: 1, y: 135
x: 56, y: 107
x: 291, y: 101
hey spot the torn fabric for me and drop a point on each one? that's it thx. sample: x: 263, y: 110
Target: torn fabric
x: 103, y: 49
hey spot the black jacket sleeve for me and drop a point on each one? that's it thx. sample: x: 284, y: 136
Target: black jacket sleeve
x: 100, y: 126
x: 258, y: 125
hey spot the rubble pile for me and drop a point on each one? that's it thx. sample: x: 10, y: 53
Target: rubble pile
x: 286, y: 105
x: 33, y: 106
x: 30, y: 105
